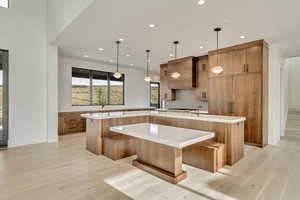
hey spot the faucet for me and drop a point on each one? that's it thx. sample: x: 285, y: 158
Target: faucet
x: 102, y: 106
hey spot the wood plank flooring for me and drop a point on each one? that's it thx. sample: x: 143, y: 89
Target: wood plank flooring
x: 67, y: 171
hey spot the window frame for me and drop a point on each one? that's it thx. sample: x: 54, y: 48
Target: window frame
x: 91, y: 87
x: 155, y: 105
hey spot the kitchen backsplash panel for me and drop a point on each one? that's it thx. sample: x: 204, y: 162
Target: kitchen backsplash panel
x: 187, y: 99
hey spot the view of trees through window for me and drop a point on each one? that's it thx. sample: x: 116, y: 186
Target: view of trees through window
x: 154, y: 94
x: 91, y: 87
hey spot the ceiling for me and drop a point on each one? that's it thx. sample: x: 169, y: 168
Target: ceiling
x: 104, y: 22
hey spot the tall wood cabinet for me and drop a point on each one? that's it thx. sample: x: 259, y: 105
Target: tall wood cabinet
x: 241, y: 89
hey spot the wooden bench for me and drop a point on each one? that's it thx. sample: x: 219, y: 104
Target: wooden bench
x: 119, y: 146
x: 207, y: 155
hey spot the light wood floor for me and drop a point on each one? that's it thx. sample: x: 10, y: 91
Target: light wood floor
x: 67, y: 171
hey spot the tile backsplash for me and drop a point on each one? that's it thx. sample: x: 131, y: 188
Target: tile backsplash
x: 187, y: 99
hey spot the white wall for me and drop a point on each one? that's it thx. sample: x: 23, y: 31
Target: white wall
x: 276, y: 62
x: 293, y: 65
x: 284, y: 96
x: 136, y: 89
x: 62, y: 12
x: 23, y: 33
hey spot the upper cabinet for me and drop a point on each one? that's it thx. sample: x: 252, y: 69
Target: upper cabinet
x: 202, y: 78
x: 182, y: 73
x: 236, y: 60
x: 165, y: 92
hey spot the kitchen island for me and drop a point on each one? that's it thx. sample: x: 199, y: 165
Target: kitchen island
x: 228, y: 130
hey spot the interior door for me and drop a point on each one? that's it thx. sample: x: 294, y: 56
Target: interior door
x: 3, y: 98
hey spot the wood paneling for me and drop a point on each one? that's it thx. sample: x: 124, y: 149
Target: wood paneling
x: 72, y: 122
x: 205, y: 155
x: 241, y: 90
x: 160, y: 160
x: 119, y: 146
x: 165, y: 92
x: 186, y: 67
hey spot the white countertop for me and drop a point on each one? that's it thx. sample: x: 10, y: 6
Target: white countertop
x: 200, y: 117
x: 167, y: 135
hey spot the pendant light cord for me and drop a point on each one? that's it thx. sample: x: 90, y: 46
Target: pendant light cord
x: 176, y: 44
x: 148, y: 51
x: 218, y: 48
x: 118, y: 48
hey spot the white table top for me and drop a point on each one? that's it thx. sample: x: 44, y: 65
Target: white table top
x: 167, y: 135
x: 200, y: 117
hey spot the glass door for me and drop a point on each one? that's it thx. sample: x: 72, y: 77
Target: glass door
x: 3, y: 98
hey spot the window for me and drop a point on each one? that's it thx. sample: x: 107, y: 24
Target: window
x: 154, y: 94
x: 4, y: 3
x: 90, y: 87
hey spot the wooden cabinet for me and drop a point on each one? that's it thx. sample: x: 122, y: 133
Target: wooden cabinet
x: 165, y: 92
x: 186, y: 69
x: 241, y: 89
x: 202, y: 78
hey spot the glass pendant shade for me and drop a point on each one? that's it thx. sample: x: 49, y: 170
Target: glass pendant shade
x: 117, y: 75
x: 147, y: 78
x: 217, y: 69
x: 175, y: 75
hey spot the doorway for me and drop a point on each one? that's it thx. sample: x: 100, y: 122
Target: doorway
x: 3, y: 98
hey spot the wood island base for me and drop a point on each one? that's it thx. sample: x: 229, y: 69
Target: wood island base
x: 160, y: 160
x: 163, y: 174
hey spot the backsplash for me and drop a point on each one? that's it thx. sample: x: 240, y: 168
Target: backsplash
x: 187, y: 99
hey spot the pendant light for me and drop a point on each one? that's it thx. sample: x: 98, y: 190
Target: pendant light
x: 118, y: 74
x: 175, y: 75
x: 218, y: 68
x: 147, y: 77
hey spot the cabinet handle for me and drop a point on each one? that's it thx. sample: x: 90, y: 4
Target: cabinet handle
x: 247, y: 67
x: 244, y: 69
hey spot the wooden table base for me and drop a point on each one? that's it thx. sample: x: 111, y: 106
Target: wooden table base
x: 163, y: 174
x: 160, y: 160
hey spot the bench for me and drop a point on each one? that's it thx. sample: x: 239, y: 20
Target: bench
x: 119, y: 146
x: 207, y: 155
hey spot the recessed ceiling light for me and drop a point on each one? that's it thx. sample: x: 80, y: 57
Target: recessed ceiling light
x: 101, y: 49
x: 127, y: 55
x: 242, y: 37
x: 201, y: 47
x: 201, y: 2
x: 131, y: 65
x: 151, y: 25
x: 86, y: 56
x: 110, y: 61
x: 121, y: 39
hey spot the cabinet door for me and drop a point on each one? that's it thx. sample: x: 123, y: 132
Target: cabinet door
x: 254, y: 59
x: 216, y: 107
x: 202, y: 79
x: 239, y: 61
x: 247, y: 90
x: 220, y: 89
